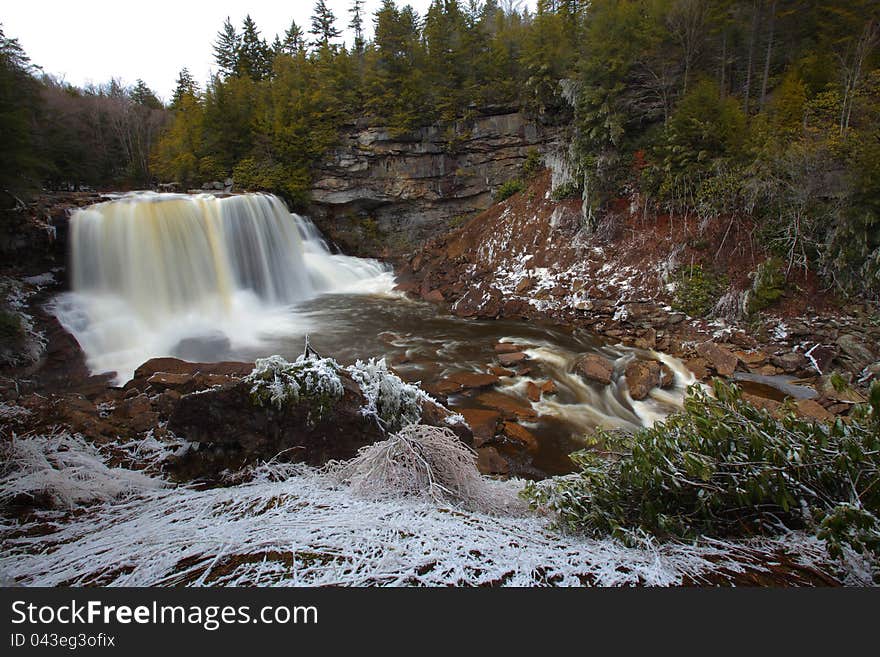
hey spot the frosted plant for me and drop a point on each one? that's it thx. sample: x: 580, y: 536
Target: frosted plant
x: 731, y: 306
x: 22, y: 343
x: 389, y: 399
x: 12, y: 411
x: 279, y: 382
x: 454, y: 419
x: 150, y: 453
x: 66, y: 469
x: 424, y: 462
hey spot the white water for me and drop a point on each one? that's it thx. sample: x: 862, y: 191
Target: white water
x: 190, y: 276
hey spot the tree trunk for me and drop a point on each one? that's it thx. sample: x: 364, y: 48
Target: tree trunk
x: 751, y: 57
x: 769, y: 53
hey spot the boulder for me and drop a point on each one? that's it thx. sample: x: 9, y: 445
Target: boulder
x: 667, y: 376
x: 490, y: 462
x: 524, y: 285
x: 699, y: 367
x: 856, y: 349
x: 819, y: 357
x: 789, y: 362
x: 233, y: 431
x: 465, y: 381
x: 533, y: 391
x: 497, y: 370
x: 483, y: 423
x: 812, y: 410
x: 641, y: 377
x: 751, y: 358
x: 594, y: 367
x: 509, y: 359
x: 520, y: 434
x: 763, y: 403
x: 434, y: 296
x: 718, y: 357
x: 508, y: 406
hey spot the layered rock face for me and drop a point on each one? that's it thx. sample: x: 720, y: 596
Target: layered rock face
x: 381, y: 194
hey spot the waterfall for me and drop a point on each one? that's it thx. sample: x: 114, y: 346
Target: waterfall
x: 196, y: 276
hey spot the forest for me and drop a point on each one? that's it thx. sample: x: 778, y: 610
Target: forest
x: 761, y: 108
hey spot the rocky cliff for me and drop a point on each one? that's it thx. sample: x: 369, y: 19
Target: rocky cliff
x: 381, y: 193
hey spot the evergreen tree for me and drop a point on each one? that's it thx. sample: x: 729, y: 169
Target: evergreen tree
x: 293, y: 42
x: 226, y: 49
x: 185, y: 86
x: 357, y: 25
x: 254, y: 55
x: 143, y: 95
x: 323, y: 28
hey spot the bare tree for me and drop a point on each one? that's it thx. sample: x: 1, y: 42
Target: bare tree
x: 687, y: 22
x: 769, y: 54
x: 852, y: 66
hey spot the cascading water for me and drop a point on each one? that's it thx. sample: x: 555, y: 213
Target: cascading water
x: 204, y: 279
x: 196, y: 277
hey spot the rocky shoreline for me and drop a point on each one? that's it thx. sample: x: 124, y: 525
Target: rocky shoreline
x: 528, y: 259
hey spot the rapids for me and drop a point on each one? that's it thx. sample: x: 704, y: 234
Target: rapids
x: 204, y: 278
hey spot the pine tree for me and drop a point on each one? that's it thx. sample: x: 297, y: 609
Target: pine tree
x: 226, y: 49
x: 254, y: 57
x: 185, y: 86
x: 323, y: 26
x: 357, y: 25
x: 143, y: 95
x: 293, y: 42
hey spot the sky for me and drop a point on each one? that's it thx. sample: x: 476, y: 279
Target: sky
x: 92, y: 41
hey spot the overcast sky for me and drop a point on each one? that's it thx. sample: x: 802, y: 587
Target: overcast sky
x: 94, y: 40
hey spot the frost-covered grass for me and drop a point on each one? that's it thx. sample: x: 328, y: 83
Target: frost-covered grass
x: 296, y: 525
x: 65, y: 469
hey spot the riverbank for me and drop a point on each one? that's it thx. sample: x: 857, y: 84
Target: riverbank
x: 530, y: 258
x: 151, y: 423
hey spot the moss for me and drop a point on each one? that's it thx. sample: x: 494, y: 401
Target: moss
x: 697, y: 290
x: 768, y: 285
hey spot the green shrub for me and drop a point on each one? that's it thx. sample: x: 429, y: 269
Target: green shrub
x: 370, y: 229
x: 458, y: 221
x: 697, y: 290
x: 566, y: 190
x: 768, y: 285
x: 508, y: 189
x: 532, y: 164
x: 723, y: 467
x: 11, y: 330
